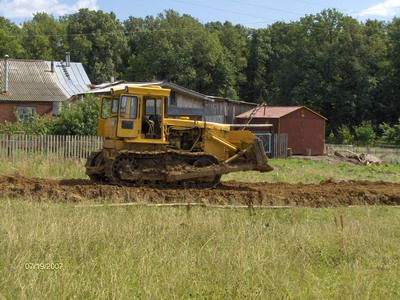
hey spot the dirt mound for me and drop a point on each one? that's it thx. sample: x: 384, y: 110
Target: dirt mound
x: 327, y: 193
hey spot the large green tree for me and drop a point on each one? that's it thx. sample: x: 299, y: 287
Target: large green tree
x: 233, y: 40
x: 44, y: 37
x: 391, y: 87
x: 179, y: 49
x: 10, y: 39
x: 98, y: 41
x: 257, y: 87
x: 326, y: 61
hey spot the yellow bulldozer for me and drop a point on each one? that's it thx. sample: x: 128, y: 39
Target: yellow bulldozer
x: 144, y: 148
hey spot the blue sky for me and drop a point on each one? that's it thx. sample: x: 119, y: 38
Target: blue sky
x: 251, y: 13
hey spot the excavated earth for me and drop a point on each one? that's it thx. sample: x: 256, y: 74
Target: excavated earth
x: 327, y: 193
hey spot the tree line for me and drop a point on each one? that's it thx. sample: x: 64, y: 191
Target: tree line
x: 346, y: 70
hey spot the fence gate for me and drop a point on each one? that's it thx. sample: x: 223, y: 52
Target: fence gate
x: 275, y: 145
x: 280, y: 143
x: 266, y: 138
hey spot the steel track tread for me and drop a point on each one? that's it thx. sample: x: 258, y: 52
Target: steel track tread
x: 159, y: 155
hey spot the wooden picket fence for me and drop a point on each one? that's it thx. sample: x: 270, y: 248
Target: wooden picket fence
x: 48, y: 146
x: 79, y: 147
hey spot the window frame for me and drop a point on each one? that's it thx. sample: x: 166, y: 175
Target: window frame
x: 114, y: 100
x: 172, y: 98
x: 103, y: 100
x: 25, y: 116
x: 122, y: 109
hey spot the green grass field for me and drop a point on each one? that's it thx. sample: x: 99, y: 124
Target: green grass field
x: 285, y: 170
x: 172, y: 253
x: 56, y: 251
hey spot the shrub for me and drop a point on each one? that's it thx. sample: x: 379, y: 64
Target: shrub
x: 33, y: 125
x: 391, y: 134
x: 344, y: 135
x: 331, y: 139
x: 78, y: 119
x: 365, y: 134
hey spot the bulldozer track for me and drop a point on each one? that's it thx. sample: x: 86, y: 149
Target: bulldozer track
x: 152, y: 168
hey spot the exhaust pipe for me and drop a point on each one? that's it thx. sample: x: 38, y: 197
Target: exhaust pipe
x: 67, y: 59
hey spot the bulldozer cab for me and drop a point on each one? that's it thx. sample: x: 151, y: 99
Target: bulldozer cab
x: 134, y: 113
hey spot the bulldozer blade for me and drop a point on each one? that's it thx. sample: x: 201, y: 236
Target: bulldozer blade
x: 209, y: 172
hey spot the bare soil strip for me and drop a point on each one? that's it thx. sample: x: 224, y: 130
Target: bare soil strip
x: 325, y: 194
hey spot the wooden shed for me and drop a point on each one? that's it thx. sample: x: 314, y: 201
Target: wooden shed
x: 305, y: 128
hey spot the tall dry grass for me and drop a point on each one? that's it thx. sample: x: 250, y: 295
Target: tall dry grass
x: 172, y: 253
x: 43, y: 167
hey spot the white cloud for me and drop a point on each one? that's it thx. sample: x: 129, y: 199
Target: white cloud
x: 388, y: 8
x: 91, y: 4
x: 26, y: 8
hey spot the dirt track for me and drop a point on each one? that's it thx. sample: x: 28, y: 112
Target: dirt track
x: 327, y: 193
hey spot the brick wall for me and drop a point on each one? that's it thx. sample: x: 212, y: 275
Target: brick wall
x: 7, y: 109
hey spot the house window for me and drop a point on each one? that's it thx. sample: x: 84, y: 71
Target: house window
x: 172, y: 98
x: 24, y: 112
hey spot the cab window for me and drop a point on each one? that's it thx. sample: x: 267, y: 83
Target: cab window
x: 128, y: 109
x: 114, y: 106
x: 153, y: 107
x: 105, y: 108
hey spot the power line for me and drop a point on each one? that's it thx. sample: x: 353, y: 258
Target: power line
x: 286, y: 11
x: 225, y: 10
x: 318, y: 4
x: 380, y: 9
x: 265, y: 7
x: 345, y: 9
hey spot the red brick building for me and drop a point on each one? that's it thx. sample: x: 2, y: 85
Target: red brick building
x: 37, y: 87
x: 304, y: 127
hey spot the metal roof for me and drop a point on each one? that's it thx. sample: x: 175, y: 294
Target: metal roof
x: 232, y: 101
x: 30, y: 80
x: 273, y: 112
x: 104, y: 88
x: 72, y: 80
x: 183, y: 90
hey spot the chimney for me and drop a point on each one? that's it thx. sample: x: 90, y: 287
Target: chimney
x: 112, y: 79
x: 52, y: 66
x: 56, y: 108
x: 67, y: 59
x: 5, y: 74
